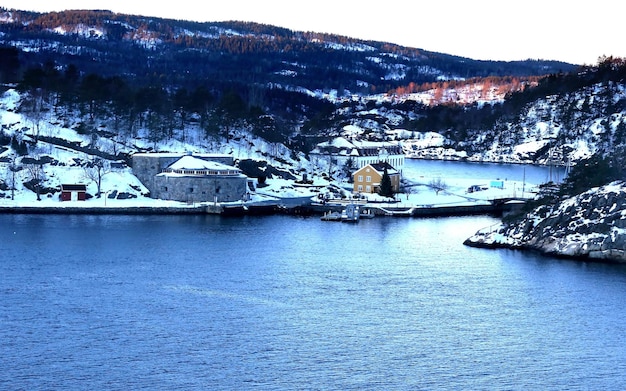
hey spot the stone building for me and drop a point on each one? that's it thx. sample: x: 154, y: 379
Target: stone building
x: 190, y: 178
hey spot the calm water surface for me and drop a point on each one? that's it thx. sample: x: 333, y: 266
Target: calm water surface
x: 286, y: 303
x: 414, y: 168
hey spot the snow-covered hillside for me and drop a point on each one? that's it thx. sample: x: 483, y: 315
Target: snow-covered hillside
x: 573, y: 126
x: 557, y: 129
x: 221, y: 53
x: 65, y: 155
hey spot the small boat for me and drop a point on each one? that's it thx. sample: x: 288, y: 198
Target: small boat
x: 350, y: 214
x: 366, y: 214
x: 331, y: 216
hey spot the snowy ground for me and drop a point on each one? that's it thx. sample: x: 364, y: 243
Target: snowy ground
x: 421, y: 194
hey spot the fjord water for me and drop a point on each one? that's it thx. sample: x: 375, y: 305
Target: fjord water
x: 279, y: 302
x: 294, y: 303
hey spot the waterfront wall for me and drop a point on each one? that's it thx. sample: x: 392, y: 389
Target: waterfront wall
x: 190, y: 189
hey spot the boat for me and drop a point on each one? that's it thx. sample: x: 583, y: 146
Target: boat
x: 350, y: 214
x: 331, y: 216
x: 366, y: 214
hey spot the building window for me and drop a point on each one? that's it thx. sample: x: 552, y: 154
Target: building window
x: 191, y: 189
x: 165, y: 188
x: 368, y: 188
x: 360, y: 188
x: 360, y: 178
x: 368, y: 178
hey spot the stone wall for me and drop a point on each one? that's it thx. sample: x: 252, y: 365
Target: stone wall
x: 193, y: 189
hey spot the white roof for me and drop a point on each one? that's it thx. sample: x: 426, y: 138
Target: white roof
x: 176, y: 154
x: 193, y: 163
x: 340, y: 142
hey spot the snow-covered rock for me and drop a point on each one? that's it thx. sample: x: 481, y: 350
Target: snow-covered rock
x: 589, y: 226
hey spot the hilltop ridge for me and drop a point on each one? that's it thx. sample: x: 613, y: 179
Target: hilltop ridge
x: 180, y: 52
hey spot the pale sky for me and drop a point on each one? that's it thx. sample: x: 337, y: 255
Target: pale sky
x: 568, y: 31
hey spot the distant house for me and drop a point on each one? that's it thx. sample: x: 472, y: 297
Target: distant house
x: 73, y: 192
x: 367, y: 179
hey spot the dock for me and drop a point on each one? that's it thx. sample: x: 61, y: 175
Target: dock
x: 290, y: 206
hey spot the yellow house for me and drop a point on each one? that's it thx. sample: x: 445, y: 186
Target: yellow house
x: 367, y: 179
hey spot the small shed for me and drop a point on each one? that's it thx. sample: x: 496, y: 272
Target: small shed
x: 73, y: 192
x: 497, y: 184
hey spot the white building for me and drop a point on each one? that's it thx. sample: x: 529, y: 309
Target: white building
x: 340, y: 150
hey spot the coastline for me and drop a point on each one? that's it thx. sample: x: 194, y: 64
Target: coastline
x: 134, y: 210
x: 616, y: 260
x: 421, y: 201
x: 265, y: 208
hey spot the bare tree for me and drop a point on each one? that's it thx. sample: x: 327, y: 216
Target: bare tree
x: 94, y: 171
x: 37, y: 175
x: 438, y: 184
x: 408, y: 190
x: 32, y: 107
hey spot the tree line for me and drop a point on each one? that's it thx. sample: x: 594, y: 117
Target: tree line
x: 164, y: 111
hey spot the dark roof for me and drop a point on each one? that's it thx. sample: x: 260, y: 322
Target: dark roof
x: 380, y: 167
x: 73, y: 187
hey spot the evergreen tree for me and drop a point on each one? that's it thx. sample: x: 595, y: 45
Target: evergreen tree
x: 19, y: 147
x: 594, y: 171
x: 386, y: 189
x: 15, y: 144
x: 4, y: 138
x: 349, y: 168
x: 9, y: 64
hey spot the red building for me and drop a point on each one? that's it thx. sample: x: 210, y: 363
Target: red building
x: 75, y: 192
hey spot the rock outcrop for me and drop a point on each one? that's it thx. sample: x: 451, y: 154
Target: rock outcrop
x: 590, y: 226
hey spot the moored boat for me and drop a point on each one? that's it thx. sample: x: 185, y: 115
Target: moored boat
x: 350, y: 214
x: 331, y: 216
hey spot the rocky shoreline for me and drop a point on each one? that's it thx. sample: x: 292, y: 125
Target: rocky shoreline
x: 590, y: 226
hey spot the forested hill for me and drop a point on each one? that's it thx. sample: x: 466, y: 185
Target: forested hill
x: 180, y: 53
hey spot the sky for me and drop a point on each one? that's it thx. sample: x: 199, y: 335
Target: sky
x: 478, y: 29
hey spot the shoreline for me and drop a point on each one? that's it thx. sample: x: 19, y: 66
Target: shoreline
x: 134, y: 210
x: 379, y: 209
x: 537, y: 250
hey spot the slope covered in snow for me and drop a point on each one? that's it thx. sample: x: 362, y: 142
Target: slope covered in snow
x: 62, y: 155
x: 59, y: 154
